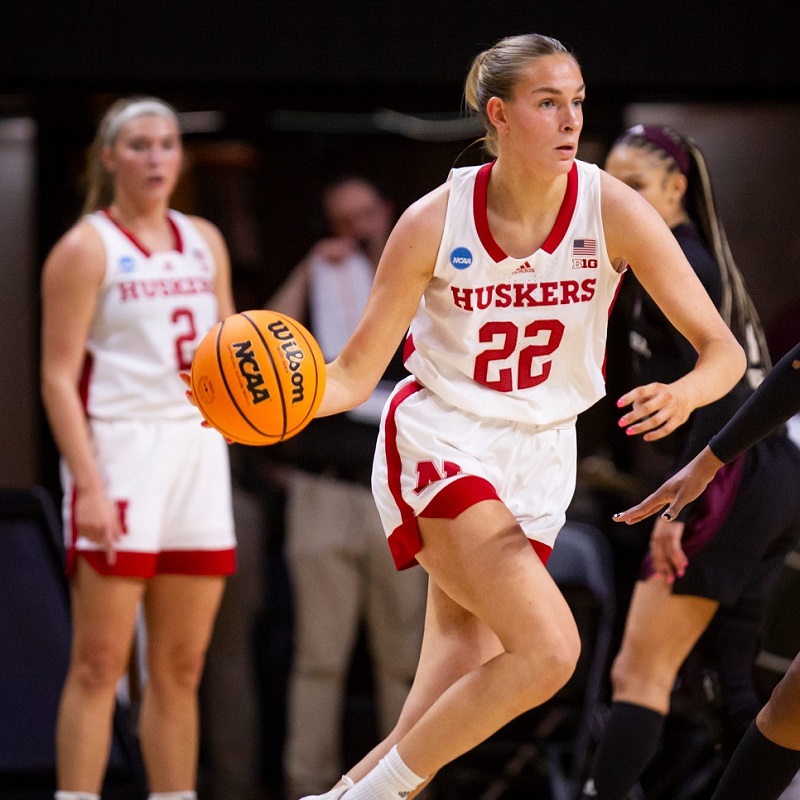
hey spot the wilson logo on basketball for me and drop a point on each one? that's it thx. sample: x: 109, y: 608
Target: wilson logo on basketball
x: 251, y: 372
x: 293, y: 355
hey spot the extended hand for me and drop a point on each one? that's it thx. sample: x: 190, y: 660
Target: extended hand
x: 657, y: 409
x: 680, y: 489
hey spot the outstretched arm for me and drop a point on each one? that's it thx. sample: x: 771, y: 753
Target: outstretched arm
x: 777, y: 399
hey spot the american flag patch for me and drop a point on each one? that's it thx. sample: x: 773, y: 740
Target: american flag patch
x: 584, y: 247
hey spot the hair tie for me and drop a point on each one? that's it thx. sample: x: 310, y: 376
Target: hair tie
x: 664, y: 139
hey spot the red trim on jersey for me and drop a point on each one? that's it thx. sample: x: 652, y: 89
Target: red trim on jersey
x: 564, y: 213
x: 86, y: 377
x: 480, y: 213
x: 408, y: 348
x: 176, y: 234
x: 167, y: 562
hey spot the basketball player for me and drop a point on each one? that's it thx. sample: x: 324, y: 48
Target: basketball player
x: 736, y: 537
x: 128, y: 293
x: 505, y: 275
x: 768, y: 756
x: 341, y: 571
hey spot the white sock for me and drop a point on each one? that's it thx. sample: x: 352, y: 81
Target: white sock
x: 333, y: 794
x: 185, y: 795
x: 390, y: 780
x: 76, y: 796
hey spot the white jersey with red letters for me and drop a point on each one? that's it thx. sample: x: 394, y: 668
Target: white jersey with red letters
x: 152, y: 311
x: 520, y: 339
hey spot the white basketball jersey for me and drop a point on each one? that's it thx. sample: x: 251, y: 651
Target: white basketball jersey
x: 521, y: 339
x: 152, y: 311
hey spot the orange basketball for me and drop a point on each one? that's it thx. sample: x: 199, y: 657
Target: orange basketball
x: 258, y: 377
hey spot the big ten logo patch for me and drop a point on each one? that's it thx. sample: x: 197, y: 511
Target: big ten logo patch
x: 428, y: 473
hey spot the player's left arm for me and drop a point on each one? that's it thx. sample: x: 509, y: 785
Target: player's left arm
x: 636, y: 234
x: 222, y: 262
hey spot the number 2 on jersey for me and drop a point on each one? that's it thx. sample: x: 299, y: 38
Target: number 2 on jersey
x: 508, y: 333
x: 184, y: 354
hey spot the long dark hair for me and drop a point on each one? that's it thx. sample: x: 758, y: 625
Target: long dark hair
x: 681, y: 154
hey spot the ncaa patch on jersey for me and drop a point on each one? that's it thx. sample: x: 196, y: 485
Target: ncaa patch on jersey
x: 461, y: 258
x: 126, y: 264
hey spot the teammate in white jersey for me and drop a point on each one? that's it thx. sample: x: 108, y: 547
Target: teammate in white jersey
x: 478, y: 449
x: 128, y: 293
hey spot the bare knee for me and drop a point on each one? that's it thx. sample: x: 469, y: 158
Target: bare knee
x: 97, y: 668
x: 548, y: 666
x: 178, y: 671
x: 635, y: 673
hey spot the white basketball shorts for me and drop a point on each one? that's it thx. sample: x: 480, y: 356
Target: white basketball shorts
x: 171, y: 483
x: 434, y: 460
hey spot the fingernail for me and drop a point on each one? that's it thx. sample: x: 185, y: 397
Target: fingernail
x: 616, y: 515
x: 620, y: 404
x: 680, y: 573
x: 630, y: 431
x: 667, y: 516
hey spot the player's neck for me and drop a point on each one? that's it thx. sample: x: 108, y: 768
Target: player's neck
x: 514, y: 194
x: 138, y: 216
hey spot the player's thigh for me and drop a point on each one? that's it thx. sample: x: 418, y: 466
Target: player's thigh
x: 485, y: 563
x: 661, y: 627
x: 103, y: 616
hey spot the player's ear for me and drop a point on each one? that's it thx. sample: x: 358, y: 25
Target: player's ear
x: 497, y: 113
x: 678, y: 184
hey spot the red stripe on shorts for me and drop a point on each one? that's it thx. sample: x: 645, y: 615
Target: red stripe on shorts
x: 405, y: 538
x: 168, y: 562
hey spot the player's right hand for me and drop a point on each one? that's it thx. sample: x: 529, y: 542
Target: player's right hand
x: 187, y: 379
x: 97, y: 518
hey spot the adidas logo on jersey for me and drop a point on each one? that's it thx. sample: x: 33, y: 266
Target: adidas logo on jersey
x: 526, y: 267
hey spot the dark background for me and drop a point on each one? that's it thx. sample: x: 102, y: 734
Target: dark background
x: 295, y: 92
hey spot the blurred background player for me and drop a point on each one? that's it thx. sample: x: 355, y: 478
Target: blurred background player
x: 341, y: 572
x: 736, y: 536
x: 768, y: 757
x: 128, y: 293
